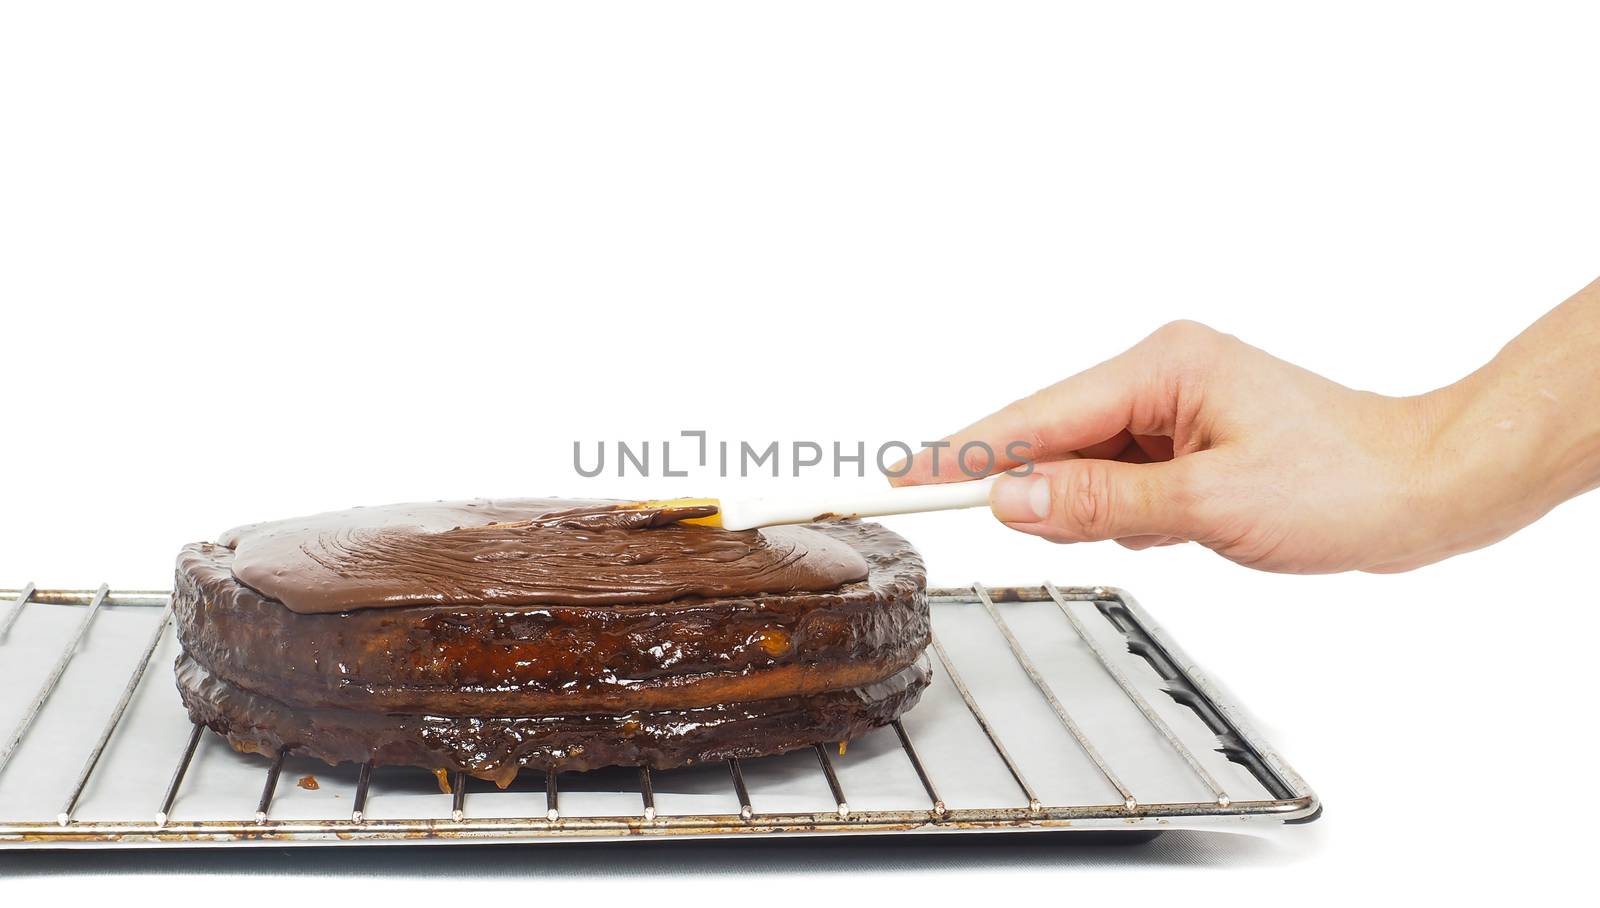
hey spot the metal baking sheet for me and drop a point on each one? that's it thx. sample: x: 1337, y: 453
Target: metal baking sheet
x: 1051, y: 708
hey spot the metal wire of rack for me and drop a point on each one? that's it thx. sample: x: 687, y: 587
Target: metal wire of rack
x: 1148, y: 663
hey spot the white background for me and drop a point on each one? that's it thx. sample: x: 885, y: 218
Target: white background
x: 260, y: 260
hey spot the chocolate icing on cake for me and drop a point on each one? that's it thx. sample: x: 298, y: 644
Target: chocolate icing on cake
x: 524, y: 552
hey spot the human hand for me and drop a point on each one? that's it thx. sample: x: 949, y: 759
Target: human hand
x: 1192, y: 435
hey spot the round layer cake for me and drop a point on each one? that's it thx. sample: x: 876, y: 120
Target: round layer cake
x: 487, y: 636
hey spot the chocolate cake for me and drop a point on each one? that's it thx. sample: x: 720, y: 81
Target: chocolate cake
x: 487, y: 636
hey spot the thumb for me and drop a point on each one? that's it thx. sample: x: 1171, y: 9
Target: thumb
x: 1084, y: 500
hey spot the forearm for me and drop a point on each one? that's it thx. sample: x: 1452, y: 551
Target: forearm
x: 1522, y: 434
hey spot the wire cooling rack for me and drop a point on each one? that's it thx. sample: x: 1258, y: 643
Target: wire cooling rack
x: 1051, y: 708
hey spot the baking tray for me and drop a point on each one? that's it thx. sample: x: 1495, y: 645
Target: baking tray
x: 1051, y: 709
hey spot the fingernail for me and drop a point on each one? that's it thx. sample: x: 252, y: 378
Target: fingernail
x: 1021, y: 499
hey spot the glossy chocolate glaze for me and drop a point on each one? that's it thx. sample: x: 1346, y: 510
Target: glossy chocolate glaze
x: 483, y: 685
x: 496, y: 748
x: 524, y: 552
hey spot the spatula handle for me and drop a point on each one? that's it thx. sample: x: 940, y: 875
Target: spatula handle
x: 746, y: 513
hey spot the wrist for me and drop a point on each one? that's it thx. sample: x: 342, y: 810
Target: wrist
x: 1496, y: 457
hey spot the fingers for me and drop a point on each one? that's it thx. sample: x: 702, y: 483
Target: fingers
x: 1085, y: 500
x: 1086, y: 409
x: 1114, y: 448
x: 1140, y: 543
x: 1155, y: 447
x: 1096, y: 413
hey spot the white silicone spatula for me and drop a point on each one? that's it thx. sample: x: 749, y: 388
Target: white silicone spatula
x: 748, y: 513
